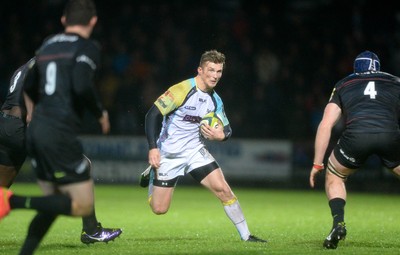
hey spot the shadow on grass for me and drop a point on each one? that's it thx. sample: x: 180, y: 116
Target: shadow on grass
x: 10, y: 247
x: 349, y: 244
x: 377, y: 244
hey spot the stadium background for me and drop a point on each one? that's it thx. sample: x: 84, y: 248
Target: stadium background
x: 283, y: 58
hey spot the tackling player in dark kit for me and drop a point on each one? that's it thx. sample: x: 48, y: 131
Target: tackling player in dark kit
x: 61, y: 86
x: 369, y: 100
x: 14, y: 116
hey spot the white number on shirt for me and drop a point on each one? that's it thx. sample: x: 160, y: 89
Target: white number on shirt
x: 370, y: 90
x: 12, y: 87
x: 51, y: 73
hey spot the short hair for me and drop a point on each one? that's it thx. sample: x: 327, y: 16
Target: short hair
x: 212, y: 56
x: 79, y: 12
x: 367, y: 61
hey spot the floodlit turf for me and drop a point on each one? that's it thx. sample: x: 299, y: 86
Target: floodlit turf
x: 294, y: 222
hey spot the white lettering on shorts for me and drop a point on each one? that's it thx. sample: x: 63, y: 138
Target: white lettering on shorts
x: 347, y: 157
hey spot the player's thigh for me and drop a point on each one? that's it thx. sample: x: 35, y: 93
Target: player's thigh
x: 12, y: 134
x: 12, y: 143
x: 336, y: 168
x: 201, y: 164
x: 215, y: 180
x: 350, y: 153
x: 389, y: 149
x: 216, y: 183
x: 59, y: 158
x: 48, y: 188
x: 7, y: 175
x: 172, y: 166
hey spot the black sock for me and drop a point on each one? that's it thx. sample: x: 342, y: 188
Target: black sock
x: 53, y: 204
x: 37, y: 230
x: 337, y: 210
x: 90, y: 224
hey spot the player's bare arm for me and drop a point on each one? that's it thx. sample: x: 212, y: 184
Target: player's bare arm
x: 104, y: 122
x: 332, y: 114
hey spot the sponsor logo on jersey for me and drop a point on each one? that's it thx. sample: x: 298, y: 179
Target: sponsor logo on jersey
x: 166, y: 99
x: 87, y: 60
x: 161, y: 102
x: 191, y: 108
x: 193, y: 119
x: 202, y: 100
x: 63, y: 38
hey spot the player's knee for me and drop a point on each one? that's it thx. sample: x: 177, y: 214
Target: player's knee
x: 224, y: 193
x: 159, y: 210
x: 81, y: 209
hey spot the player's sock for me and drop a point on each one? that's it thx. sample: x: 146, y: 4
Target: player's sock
x: 37, y: 229
x: 89, y: 223
x: 234, y: 211
x: 53, y: 204
x: 337, y: 210
x: 150, y: 191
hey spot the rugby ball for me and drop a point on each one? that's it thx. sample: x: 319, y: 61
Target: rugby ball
x: 211, y: 119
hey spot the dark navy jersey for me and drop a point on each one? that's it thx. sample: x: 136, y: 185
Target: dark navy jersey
x: 65, y: 69
x: 370, y: 102
x: 15, y: 95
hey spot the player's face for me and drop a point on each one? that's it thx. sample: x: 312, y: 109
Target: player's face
x: 210, y: 74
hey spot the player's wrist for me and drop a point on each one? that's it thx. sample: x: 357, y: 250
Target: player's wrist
x: 318, y: 166
x: 152, y: 145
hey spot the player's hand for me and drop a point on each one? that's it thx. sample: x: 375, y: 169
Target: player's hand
x: 154, y: 158
x: 314, y: 172
x: 212, y: 134
x: 28, y: 119
x: 104, y: 122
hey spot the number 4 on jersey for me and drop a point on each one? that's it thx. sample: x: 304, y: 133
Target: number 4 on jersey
x: 370, y: 90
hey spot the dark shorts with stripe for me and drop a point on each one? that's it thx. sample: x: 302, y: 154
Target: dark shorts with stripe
x: 12, y: 141
x: 353, y: 149
x: 57, y: 154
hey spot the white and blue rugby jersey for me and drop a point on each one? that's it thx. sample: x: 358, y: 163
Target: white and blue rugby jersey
x: 183, y: 105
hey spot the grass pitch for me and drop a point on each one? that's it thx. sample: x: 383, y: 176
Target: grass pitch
x: 294, y: 222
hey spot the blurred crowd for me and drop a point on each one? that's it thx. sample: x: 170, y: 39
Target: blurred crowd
x: 283, y: 57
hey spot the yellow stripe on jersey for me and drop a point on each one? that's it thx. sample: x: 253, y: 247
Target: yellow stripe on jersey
x: 173, y: 97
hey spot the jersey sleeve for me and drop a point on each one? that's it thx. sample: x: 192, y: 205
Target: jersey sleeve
x: 219, y: 109
x: 334, y: 98
x: 173, y: 97
x: 220, y: 112
x: 151, y: 126
x: 86, y: 64
x: 31, y: 80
